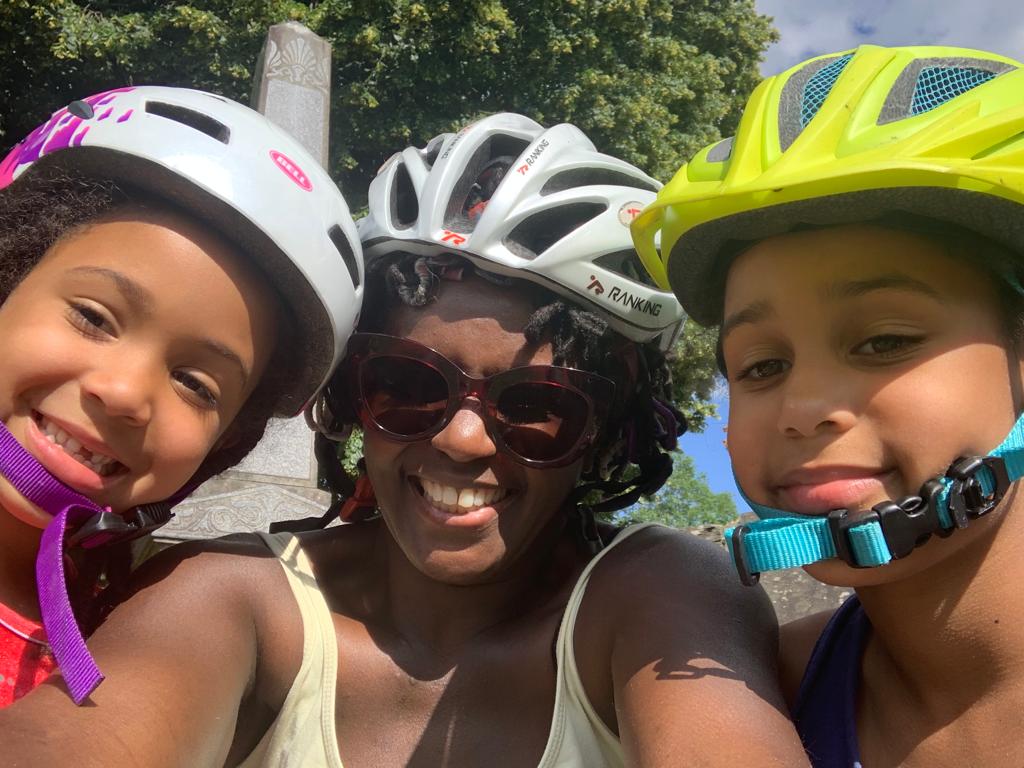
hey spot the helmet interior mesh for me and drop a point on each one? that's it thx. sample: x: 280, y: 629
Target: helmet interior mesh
x: 818, y: 88
x: 937, y: 85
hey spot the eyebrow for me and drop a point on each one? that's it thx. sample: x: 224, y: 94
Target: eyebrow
x: 228, y: 354
x: 851, y: 289
x: 754, y: 313
x: 139, y: 297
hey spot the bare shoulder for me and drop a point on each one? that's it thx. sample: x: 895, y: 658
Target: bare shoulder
x: 796, y: 643
x: 666, y: 636
x: 658, y: 566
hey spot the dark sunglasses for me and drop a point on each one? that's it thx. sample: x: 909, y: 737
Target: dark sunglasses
x: 542, y: 415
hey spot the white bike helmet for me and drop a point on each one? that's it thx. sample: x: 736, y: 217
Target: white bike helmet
x: 227, y: 165
x: 535, y: 203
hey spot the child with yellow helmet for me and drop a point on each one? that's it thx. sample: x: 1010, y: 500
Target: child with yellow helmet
x: 860, y: 242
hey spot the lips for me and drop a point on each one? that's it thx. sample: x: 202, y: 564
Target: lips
x: 818, y: 490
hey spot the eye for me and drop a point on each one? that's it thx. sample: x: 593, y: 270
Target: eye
x: 89, y: 319
x: 763, y: 369
x: 195, y: 390
x: 887, y: 345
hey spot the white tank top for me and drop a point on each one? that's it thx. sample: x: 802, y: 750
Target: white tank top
x: 303, y: 735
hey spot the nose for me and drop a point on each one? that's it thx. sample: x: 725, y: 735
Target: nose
x: 122, y: 388
x: 814, y: 403
x: 465, y: 437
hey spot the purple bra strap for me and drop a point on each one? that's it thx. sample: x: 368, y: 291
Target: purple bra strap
x: 38, y: 486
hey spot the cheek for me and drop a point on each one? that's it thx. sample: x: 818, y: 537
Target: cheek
x: 747, y: 439
x: 380, y: 456
x: 959, y: 403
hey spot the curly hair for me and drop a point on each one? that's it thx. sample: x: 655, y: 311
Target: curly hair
x: 630, y: 458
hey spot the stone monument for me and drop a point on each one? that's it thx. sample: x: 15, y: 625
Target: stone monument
x: 278, y: 480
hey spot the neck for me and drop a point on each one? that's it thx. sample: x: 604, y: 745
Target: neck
x: 950, y: 636
x: 444, y: 617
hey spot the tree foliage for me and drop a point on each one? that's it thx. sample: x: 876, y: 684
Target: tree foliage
x: 684, y: 500
x: 650, y: 81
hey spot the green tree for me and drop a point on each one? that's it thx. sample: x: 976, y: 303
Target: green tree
x: 650, y: 81
x: 684, y: 500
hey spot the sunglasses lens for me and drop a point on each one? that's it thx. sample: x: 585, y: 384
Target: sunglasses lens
x: 541, y: 421
x: 404, y: 396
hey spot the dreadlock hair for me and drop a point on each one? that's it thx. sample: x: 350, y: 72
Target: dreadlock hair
x: 630, y: 458
x: 44, y: 207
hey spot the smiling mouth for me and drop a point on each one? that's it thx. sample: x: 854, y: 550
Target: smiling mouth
x: 101, y: 464
x: 458, y: 501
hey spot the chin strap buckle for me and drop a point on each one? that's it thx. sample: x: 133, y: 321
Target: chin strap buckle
x: 910, y: 522
x: 967, y: 497
x: 108, y: 527
x: 738, y: 548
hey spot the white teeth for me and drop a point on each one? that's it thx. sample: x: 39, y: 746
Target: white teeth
x: 460, y: 500
x: 97, y: 462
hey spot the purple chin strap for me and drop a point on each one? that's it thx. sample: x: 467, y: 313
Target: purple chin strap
x: 93, y: 526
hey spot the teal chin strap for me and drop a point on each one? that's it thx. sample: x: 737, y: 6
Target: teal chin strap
x: 971, y: 487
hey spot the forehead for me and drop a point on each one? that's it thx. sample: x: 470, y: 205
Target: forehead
x: 829, y: 264
x: 475, y: 323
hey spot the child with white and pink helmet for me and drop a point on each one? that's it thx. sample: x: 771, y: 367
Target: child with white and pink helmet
x: 174, y: 270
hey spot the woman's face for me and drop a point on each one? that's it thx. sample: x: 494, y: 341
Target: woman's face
x: 861, y: 362
x: 462, y: 510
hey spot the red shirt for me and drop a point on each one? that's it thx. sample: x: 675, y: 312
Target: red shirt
x: 23, y: 664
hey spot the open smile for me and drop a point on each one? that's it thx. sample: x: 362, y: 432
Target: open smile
x: 459, y: 507
x: 102, y: 464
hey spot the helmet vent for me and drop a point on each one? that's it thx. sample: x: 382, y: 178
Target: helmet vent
x: 433, y: 149
x: 585, y: 177
x: 927, y: 84
x: 627, y: 264
x: 937, y: 85
x: 405, y: 208
x: 819, y: 87
x: 721, y: 152
x: 495, y: 148
x: 804, y: 93
x: 190, y: 117
x: 341, y: 242
x: 534, y: 235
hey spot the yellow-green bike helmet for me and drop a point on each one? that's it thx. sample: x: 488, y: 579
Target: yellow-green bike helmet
x: 853, y: 136
x: 847, y: 137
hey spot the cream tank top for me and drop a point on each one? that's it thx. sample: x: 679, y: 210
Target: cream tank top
x: 303, y: 735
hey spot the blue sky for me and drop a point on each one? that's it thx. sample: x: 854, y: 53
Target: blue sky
x: 811, y: 27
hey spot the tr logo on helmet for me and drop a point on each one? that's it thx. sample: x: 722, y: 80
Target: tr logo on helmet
x: 595, y: 286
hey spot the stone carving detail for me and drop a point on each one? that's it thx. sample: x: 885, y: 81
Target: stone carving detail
x: 297, y: 63
x: 251, y: 509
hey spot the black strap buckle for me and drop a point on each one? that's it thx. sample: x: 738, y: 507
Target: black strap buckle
x: 906, y: 524
x: 108, y: 527
x: 967, y: 499
x: 739, y: 556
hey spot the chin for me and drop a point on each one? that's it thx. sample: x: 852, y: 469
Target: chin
x: 463, y: 568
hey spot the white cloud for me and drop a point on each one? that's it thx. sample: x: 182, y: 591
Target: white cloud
x: 811, y: 27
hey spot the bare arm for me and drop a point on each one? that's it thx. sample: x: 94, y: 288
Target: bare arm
x: 178, y: 657
x: 692, y: 675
